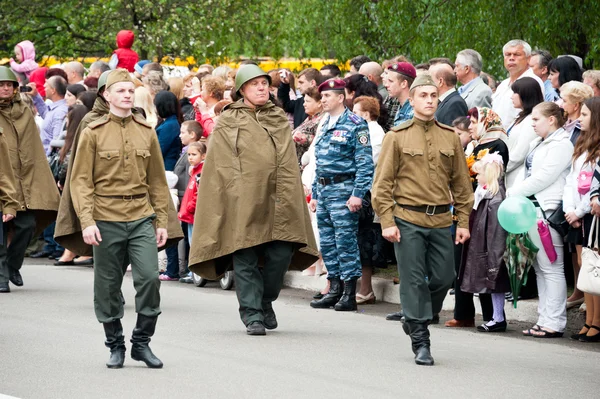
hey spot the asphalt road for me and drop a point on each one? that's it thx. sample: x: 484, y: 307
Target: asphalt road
x: 51, y: 346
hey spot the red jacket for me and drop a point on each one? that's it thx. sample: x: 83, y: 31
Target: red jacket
x: 207, y: 123
x: 127, y: 57
x: 188, y: 203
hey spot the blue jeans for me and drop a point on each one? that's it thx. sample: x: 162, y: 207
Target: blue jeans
x: 51, y: 245
x: 189, y: 234
x: 172, y: 262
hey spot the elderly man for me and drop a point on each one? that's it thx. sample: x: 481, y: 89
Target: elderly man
x: 451, y: 104
x: 474, y: 90
x: 398, y: 78
x: 98, y: 68
x: 419, y: 161
x: 37, y: 193
x: 539, y: 61
x: 252, y: 156
x: 516, y: 61
x: 373, y: 71
x: 54, y: 114
x: 75, y: 72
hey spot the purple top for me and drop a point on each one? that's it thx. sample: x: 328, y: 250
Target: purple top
x: 54, y: 118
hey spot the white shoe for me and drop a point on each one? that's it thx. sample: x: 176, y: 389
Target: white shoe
x: 583, y: 308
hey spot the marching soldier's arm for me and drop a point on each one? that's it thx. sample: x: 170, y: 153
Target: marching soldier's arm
x: 8, y: 192
x: 363, y: 158
x: 385, y: 175
x: 158, y: 189
x: 82, y: 179
x: 460, y: 185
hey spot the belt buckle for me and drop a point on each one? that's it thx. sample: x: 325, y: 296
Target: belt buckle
x: 428, y: 213
x: 128, y: 198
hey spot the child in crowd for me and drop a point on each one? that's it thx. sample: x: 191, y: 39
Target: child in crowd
x: 196, y: 153
x: 461, y: 127
x: 190, y: 132
x: 25, y: 55
x: 483, y: 269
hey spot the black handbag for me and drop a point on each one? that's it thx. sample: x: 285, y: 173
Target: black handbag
x: 557, y: 221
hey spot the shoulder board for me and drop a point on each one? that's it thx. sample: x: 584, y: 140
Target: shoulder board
x: 403, y: 126
x: 99, y: 122
x: 355, y: 118
x: 140, y: 120
x: 445, y: 127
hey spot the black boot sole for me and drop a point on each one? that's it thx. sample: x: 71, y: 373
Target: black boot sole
x: 148, y: 364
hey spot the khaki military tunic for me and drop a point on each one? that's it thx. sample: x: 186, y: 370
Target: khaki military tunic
x: 422, y: 163
x: 119, y: 158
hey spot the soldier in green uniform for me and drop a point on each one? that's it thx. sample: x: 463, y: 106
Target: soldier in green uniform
x: 118, y: 188
x: 421, y: 171
x: 8, y: 195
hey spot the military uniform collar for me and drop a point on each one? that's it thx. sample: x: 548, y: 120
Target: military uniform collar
x: 119, y: 120
x: 424, y: 124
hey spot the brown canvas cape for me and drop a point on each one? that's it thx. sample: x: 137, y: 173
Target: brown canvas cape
x: 243, y: 202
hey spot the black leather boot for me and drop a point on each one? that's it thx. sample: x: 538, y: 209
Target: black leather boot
x: 116, y: 343
x: 140, y: 350
x: 332, y: 297
x: 419, y: 335
x: 270, y: 320
x: 347, y: 302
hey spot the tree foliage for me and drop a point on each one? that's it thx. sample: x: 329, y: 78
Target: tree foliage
x: 219, y: 29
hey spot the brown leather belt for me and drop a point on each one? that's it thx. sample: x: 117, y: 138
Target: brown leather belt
x: 124, y: 197
x: 428, y: 209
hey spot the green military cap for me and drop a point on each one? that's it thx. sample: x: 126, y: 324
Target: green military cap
x: 423, y: 79
x: 117, y: 76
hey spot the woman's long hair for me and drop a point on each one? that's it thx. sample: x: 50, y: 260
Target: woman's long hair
x: 589, y: 140
x: 531, y: 95
x: 74, y: 118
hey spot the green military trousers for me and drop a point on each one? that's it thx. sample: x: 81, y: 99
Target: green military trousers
x: 258, y: 288
x: 426, y: 268
x: 136, y: 240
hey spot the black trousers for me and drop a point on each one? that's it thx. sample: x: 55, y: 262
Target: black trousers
x: 11, y: 256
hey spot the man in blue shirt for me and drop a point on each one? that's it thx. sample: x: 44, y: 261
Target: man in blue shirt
x: 54, y: 114
x: 398, y: 79
x: 539, y: 64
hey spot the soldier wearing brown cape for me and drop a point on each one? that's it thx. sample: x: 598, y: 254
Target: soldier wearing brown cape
x: 36, y: 191
x: 251, y: 208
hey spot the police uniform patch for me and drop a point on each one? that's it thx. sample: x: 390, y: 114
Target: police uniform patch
x: 363, y: 139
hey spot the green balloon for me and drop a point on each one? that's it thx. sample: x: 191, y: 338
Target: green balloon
x: 517, y: 215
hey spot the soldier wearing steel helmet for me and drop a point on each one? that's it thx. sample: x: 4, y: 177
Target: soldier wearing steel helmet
x: 36, y: 192
x: 253, y: 209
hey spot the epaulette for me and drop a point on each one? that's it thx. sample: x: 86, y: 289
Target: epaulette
x: 99, y: 122
x: 140, y: 119
x: 403, y: 125
x: 443, y: 126
x: 355, y: 118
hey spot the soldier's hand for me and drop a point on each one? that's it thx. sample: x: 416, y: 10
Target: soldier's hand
x: 91, y: 236
x: 313, y: 205
x: 7, y: 218
x: 161, y: 237
x: 462, y: 235
x: 354, y: 204
x: 392, y: 234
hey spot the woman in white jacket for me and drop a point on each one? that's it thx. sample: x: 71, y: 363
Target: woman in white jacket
x: 546, y: 167
x: 526, y: 95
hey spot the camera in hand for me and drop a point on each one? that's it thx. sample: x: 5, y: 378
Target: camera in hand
x: 25, y: 89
